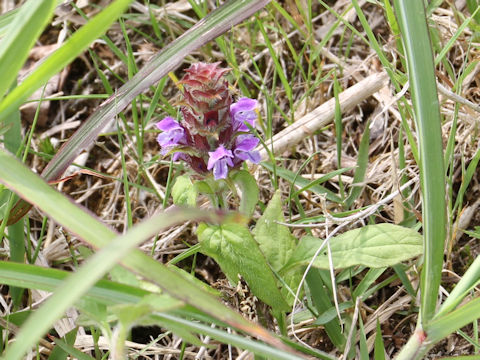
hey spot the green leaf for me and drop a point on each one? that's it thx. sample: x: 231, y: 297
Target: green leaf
x: 277, y: 243
x: 428, y: 123
x: 248, y: 186
x: 380, y: 245
x: 22, y: 33
x: 37, y: 277
x: 70, y: 349
x: 331, y: 313
x: 183, y: 191
x: 275, y: 240
x: 63, y: 348
x: 234, y: 249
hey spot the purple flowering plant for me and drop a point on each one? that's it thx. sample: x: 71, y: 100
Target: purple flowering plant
x: 212, y: 135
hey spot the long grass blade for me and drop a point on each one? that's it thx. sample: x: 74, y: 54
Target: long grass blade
x: 216, y: 23
x: 415, y: 36
x: 26, y: 25
x: 78, y: 42
x: 28, y: 185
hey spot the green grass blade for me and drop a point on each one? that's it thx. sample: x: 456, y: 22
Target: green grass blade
x: 338, y: 131
x: 41, y: 278
x: 16, y: 238
x: 411, y: 18
x: 234, y: 339
x: 78, y: 42
x: 27, y: 24
x: 443, y: 326
x: 28, y: 185
x: 216, y: 23
x: 292, y: 177
x: 463, y: 287
x: 322, y: 302
x: 361, y: 170
x: 379, y: 348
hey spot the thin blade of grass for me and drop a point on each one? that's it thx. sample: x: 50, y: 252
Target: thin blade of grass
x: 16, y: 239
x: 216, y: 23
x: 78, y: 42
x: 444, y: 325
x: 361, y: 170
x: 322, y: 302
x: 47, y: 279
x: 27, y: 24
x: 28, y: 185
x: 379, y: 348
x: 415, y: 36
x: 338, y: 131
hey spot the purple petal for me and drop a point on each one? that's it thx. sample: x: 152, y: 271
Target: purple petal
x: 168, y: 124
x: 243, y: 111
x: 220, y: 169
x: 244, y: 149
x: 219, y: 160
x: 173, y: 134
x: 246, y: 142
x: 179, y: 156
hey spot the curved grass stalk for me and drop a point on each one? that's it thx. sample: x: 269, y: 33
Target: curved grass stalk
x: 415, y: 35
x: 207, y: 29
x: 416, y: 40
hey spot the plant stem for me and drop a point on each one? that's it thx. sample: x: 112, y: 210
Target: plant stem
x: 416, y: 347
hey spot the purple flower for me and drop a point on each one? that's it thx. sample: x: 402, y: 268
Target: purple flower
x: 219, y: 160
x: 243, y: 111
x: 173, y: 134
x: 244, y: 148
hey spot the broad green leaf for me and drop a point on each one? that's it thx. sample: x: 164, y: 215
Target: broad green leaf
x: 277, y: 244
x: 234, y: 249
x: 77, y: 43
x: 248, y: 186
x: 380, y: 245
x: 183, y: 191
x: 275, y: 240
x: 25, y: 28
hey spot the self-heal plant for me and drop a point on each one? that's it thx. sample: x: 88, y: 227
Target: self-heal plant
x: 213, y: 134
